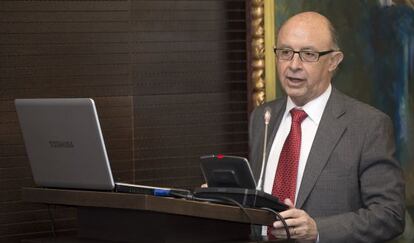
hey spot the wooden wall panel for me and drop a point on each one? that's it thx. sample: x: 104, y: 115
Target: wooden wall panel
x: 194, y: 48
x: 168, y: 78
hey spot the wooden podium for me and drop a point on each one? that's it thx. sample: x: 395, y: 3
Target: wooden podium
x: 124, y: 217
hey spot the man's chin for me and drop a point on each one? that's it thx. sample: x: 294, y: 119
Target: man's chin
x: 295, y: 91
x: 297, y: 95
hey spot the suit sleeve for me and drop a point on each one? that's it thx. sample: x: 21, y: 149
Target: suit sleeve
x: 382, y: 189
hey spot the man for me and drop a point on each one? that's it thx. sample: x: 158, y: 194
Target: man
x: 347, y: 185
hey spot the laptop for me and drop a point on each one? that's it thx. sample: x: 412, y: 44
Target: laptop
x: 66, y: 149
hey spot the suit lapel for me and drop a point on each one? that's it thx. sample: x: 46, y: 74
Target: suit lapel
x: 278, y: 109
x: 329, y: 132
x: 274, y: 125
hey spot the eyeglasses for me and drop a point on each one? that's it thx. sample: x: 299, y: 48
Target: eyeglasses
x: 286, y: 54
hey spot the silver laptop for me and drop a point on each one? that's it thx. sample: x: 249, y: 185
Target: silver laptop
x: 64, y: 143
x: 66, y: 148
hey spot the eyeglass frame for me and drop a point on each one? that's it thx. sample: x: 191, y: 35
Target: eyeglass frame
x: 320, y: 53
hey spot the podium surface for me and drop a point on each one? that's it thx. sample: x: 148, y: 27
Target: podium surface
x: 125, y: 217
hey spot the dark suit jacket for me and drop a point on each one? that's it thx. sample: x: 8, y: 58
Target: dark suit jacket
x: 352, y: 185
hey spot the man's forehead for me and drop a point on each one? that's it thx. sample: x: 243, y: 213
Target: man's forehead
x: 310, y: 18
x: 307, y: 34
x: 302, y: 48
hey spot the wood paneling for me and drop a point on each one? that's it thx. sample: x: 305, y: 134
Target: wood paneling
x: 168, y: 78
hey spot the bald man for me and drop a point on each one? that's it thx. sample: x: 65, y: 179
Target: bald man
x: 329, y: 157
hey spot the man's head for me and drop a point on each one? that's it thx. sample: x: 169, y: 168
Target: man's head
x: 305, y: 77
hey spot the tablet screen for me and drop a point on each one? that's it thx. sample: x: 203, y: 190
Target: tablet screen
x: 227, y: 171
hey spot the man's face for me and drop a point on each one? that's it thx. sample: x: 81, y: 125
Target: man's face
x: 305, y: 81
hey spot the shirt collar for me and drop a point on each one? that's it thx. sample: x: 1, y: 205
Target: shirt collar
x: 313, y: 108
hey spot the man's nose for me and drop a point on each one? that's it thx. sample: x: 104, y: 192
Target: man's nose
x: 296, y: 62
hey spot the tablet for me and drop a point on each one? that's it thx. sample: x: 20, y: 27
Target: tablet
x: 227, y: 171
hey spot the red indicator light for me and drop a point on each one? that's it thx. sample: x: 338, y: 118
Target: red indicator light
x: 220, y: 156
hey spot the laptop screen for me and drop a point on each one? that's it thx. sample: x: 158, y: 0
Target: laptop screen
x: 64, y: 143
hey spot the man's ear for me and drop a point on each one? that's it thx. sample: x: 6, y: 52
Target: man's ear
x: 336, y: 59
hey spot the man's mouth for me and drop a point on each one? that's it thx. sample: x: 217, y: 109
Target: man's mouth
x: 295, y: 79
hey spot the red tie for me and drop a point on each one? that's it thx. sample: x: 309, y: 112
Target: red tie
x: 284, y: 185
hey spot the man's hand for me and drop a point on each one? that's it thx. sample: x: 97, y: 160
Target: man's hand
x: 301, y: 225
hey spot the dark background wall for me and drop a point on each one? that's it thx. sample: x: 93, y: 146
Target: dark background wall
x: 168, y: 78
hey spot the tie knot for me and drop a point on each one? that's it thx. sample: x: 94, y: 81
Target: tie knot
x: 298, y: 115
